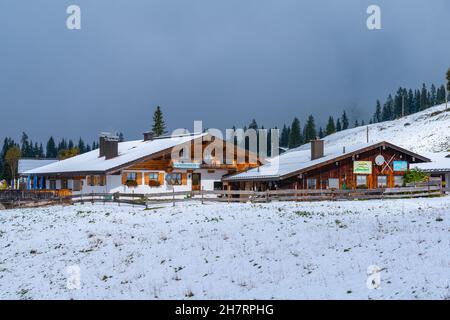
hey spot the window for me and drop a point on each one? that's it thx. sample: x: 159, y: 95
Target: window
x: 361, y: 181
x: 311, y: 183
x: 382, y: 181
x: 153, y: 179
x: 218, y: 185
x: 101, y: 180
x: 77, y: 185
x: 131, y: 176
x: 333, y: 183
x: 52, y: 184
x: 398, y: 181
x: 91, y: 181
x: 64, y: 184
x: 174, y: 179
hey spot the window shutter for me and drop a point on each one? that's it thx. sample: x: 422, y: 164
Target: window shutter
x: 161, y: 178
x: 146, y: 179
x: 139, y: 178
x: 124, y: 178
x: 184, y: 178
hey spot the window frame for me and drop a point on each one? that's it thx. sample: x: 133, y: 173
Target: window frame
x: 386, y: 181
x: 365, y: 179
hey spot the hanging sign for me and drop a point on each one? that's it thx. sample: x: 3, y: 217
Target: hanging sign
x: 400, y: 165
x: 362, y: 167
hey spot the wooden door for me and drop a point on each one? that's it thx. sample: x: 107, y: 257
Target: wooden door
x: 196, y: 181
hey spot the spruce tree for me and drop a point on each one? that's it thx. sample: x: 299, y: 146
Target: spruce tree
x: 345, y: 123
x: 295, y: 137
x: 310, y: 130
x: 159, y: 127
x: 448, y: 81
x: 331, y: 127
x: 51, y: 151
x: 284, y: 137
x: 338, y: 125
x: 377, y: 114
x: 321, y: 134
x: 424, y: 98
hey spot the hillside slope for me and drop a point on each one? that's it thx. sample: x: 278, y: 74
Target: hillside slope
x: 426, y: 131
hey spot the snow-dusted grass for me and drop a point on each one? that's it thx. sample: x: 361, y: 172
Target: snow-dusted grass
x: 229, y: 251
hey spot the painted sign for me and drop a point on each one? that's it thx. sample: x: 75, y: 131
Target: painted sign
x: 400, y: 166
x: 186, y: 165
x: 362, y: 167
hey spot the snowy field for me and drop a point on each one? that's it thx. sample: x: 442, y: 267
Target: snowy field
x: 228, y: 251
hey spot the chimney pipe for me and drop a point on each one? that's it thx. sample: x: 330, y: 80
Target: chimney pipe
x: 149, y: 136
x: 109, y: 145
x: 316, y: 149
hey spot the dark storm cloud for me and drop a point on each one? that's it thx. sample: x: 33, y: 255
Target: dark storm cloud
x: 223, y: 62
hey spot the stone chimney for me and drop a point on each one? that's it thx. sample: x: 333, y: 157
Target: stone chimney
x: 109, y: 145
x: 316, y: 149
x: 149, y: 136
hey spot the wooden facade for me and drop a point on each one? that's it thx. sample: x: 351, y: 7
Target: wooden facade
x: 338, y: 172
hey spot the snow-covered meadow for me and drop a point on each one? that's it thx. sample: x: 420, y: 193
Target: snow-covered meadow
x: 228, y: 251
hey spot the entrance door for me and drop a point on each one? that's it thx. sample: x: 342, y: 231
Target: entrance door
x: 196, y: 181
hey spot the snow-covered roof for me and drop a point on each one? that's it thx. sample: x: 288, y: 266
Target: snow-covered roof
x: 439, y: 162
x: 129, y: 152
x: 30, y: 164
x: 299, y: 159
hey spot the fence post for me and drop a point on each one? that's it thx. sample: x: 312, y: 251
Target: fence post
x: 201, y: 193
x: 267, y: 196
x: 173, y: 197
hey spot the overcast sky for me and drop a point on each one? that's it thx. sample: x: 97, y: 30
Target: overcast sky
x: 220, y: 61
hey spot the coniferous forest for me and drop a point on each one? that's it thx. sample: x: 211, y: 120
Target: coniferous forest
x: 402, y: 103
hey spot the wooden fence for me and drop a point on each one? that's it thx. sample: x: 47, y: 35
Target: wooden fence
x: 256, y: 196
x: 17, y: 198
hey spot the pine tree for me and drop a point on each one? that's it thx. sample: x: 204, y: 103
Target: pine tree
x: 26, y: 149
x: 284, y: 137
x: 345, y: 123
x: 159, y: 127
x: 51, y: 151
x: 121, y: 137
x: 387, y: 113
x: 377, y: 114
x: 448, y: 81
x: 310, y: 132
x: 338, y: 125
x: 295, y: 138
x: 356, y: 124
x: 321, y: 134
x: 331, y: 127
x: 424, y: 98
x: 433, y: 95
x: 81, y: 146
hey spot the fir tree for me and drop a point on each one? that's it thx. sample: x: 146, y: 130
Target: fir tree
x: 284, y: 137
x: 377, y: 114
x: 424, y: 98
x: 344, y: 119
x: 310, y: 132
x: 448, y: 81
x: 331, y: 127
x: 321, y: 134
x: 295, y: 138
x: 159, y: 127
x: 81, y: 146
x: 338, y: 125
x: 51, y: 151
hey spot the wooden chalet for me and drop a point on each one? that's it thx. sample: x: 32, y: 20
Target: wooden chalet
x: 368, y: 166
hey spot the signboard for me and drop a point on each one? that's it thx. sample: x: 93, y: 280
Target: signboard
x: 362, y: 167
x: 400, y: 166
x: 186, y: 165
